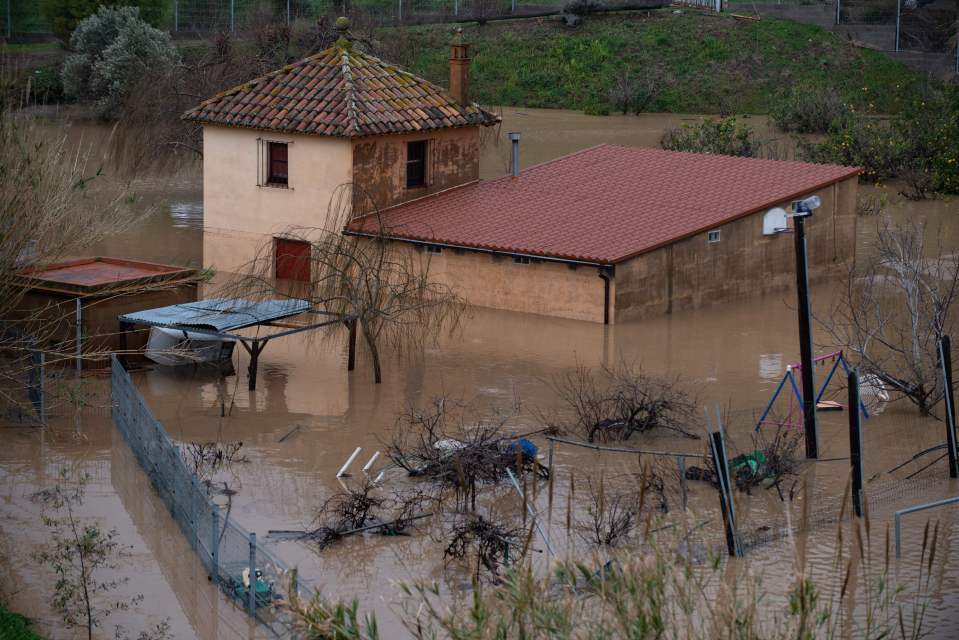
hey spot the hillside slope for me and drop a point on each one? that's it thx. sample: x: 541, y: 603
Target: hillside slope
x: 711, y: 63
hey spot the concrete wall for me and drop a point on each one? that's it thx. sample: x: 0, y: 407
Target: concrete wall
x: 694, y: 273
x: 547, y: 288
x: 379, y: 165
x: 240, y: 216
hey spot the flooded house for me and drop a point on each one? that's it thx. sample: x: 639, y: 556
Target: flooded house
x: 605, y: 234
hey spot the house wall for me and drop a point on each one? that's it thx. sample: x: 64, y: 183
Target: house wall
x: 379, y: 166
x: 546, y: 288
x: 240, y: 216
x: 693, y: 273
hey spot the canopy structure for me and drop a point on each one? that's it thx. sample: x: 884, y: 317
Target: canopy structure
x: 219, y: 317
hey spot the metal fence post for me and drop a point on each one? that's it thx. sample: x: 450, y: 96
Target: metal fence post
x: 232, y: 17
x: 252, y: 589
x: 898, y: 14
x: 287, y: 12
x: 838, y: 12
x: 43, y: 388
x: 79, y: 328
x: 855, y: 443
x: 456, y: 8
x: 945, y: 361
x: 721, y: 464
x: 399, y: 10
x: 215, y: 546
x: 176, y: 16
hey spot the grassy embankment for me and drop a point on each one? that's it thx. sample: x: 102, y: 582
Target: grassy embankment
x: 714, y: 64
x: 13, y: 626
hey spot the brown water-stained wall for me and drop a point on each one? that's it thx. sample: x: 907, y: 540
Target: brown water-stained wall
x: 379, y: 166
x: 694, y: 273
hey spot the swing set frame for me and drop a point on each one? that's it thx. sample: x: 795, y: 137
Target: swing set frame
x: 837, y: 358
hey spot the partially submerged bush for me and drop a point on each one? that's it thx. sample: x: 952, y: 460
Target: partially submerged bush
x: 805, y: 111
x: 616, y: 402
x: 725, y: 136
x: 112, y: 49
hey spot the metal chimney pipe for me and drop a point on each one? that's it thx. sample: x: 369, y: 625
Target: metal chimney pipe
x: 514, y: 137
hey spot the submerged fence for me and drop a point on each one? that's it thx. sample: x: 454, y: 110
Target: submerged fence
x: 245, y: 571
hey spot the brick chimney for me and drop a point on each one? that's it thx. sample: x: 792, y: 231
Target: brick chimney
x: 460, y: 68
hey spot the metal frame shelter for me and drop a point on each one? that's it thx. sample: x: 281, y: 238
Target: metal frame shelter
x: 222, y: 317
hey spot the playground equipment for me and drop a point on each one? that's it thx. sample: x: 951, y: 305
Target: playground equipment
x: 869, y: 384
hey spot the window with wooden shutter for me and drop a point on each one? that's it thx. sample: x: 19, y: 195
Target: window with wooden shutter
x: 277, y: 169
x: 292, y: 260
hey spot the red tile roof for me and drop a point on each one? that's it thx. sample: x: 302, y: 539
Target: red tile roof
x: 338, y: 92
x: 604, y: 204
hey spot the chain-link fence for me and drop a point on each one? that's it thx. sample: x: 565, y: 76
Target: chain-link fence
x: 245, y: 571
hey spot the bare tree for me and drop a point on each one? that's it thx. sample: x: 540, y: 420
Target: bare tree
x: 896, y: 304
x: 380, y: 287
x: 47, y: 213
x: 618, y: 401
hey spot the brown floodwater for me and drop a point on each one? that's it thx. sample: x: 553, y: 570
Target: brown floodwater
x: 732, y: 355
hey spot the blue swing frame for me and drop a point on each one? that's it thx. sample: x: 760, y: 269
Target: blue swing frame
x: 840, y: 360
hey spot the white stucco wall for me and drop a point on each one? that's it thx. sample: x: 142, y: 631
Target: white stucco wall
x: 239, y: 216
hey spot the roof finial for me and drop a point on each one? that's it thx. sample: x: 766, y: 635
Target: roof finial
x: 342, y: 28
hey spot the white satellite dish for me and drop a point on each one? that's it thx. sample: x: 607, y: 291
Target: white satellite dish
x: 774, y: 221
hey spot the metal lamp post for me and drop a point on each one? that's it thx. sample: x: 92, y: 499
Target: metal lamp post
x: 802, y: 209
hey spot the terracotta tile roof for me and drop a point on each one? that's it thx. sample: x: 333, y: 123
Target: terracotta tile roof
x: 604, y: 204
x: 338, y: 92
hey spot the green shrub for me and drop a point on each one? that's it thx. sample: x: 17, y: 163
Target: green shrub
x: 920, y: 146
x: 725, y: 136
x: 15, y: 627
x: 65, y: 15
x: 46, y: 86
x: 808, y: 111
x: 113, y: 49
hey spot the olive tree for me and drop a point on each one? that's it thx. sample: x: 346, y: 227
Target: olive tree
x: 111, y: 50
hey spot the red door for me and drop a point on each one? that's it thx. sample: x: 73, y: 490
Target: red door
x: 292, y: 260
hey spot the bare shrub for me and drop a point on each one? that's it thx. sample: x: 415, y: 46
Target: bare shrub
x: 632, y: 92
x: 616, y: 402
x: 448, y: 445
x: 611, y: 515
x: 803, y: 110
x: 493, y: 543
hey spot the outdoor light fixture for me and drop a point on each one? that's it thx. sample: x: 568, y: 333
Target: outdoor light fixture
x: 803, y: 208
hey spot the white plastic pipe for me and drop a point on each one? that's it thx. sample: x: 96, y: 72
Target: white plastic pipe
x: 370, y: 463
x: 342, y: 471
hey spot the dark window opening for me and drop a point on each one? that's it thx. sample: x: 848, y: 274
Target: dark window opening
x: 277, y: 164
x: 416, y: 164
x: 521, y: 260
x: 432, y: 248
x: 292, y: 260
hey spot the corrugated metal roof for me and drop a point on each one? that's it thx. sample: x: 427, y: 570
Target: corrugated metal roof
x: 218, y: 314
x: 603, y: 205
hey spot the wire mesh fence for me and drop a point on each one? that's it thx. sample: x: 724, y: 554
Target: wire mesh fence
x: 245, y: 570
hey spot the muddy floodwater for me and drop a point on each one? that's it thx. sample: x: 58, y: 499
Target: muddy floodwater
x: 307, y: 415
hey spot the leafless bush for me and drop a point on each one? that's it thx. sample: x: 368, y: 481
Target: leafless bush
x: 493, y: 543
x: 611, y: 515
x: 616, y: 402
x: 447, y: 446
x: 632, y: 92
x: 363, y: 507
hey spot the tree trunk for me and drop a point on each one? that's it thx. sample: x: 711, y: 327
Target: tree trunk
x: 374, y: 353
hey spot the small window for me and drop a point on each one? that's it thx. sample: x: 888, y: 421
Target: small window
x: 521, y: 259
x: 713, y: 236
x: 292, y: 260
x: 277, y: 170
x: 432, y: 248
x: 416, y: 164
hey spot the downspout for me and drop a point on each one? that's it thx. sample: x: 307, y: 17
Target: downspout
x: 606, y: 274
